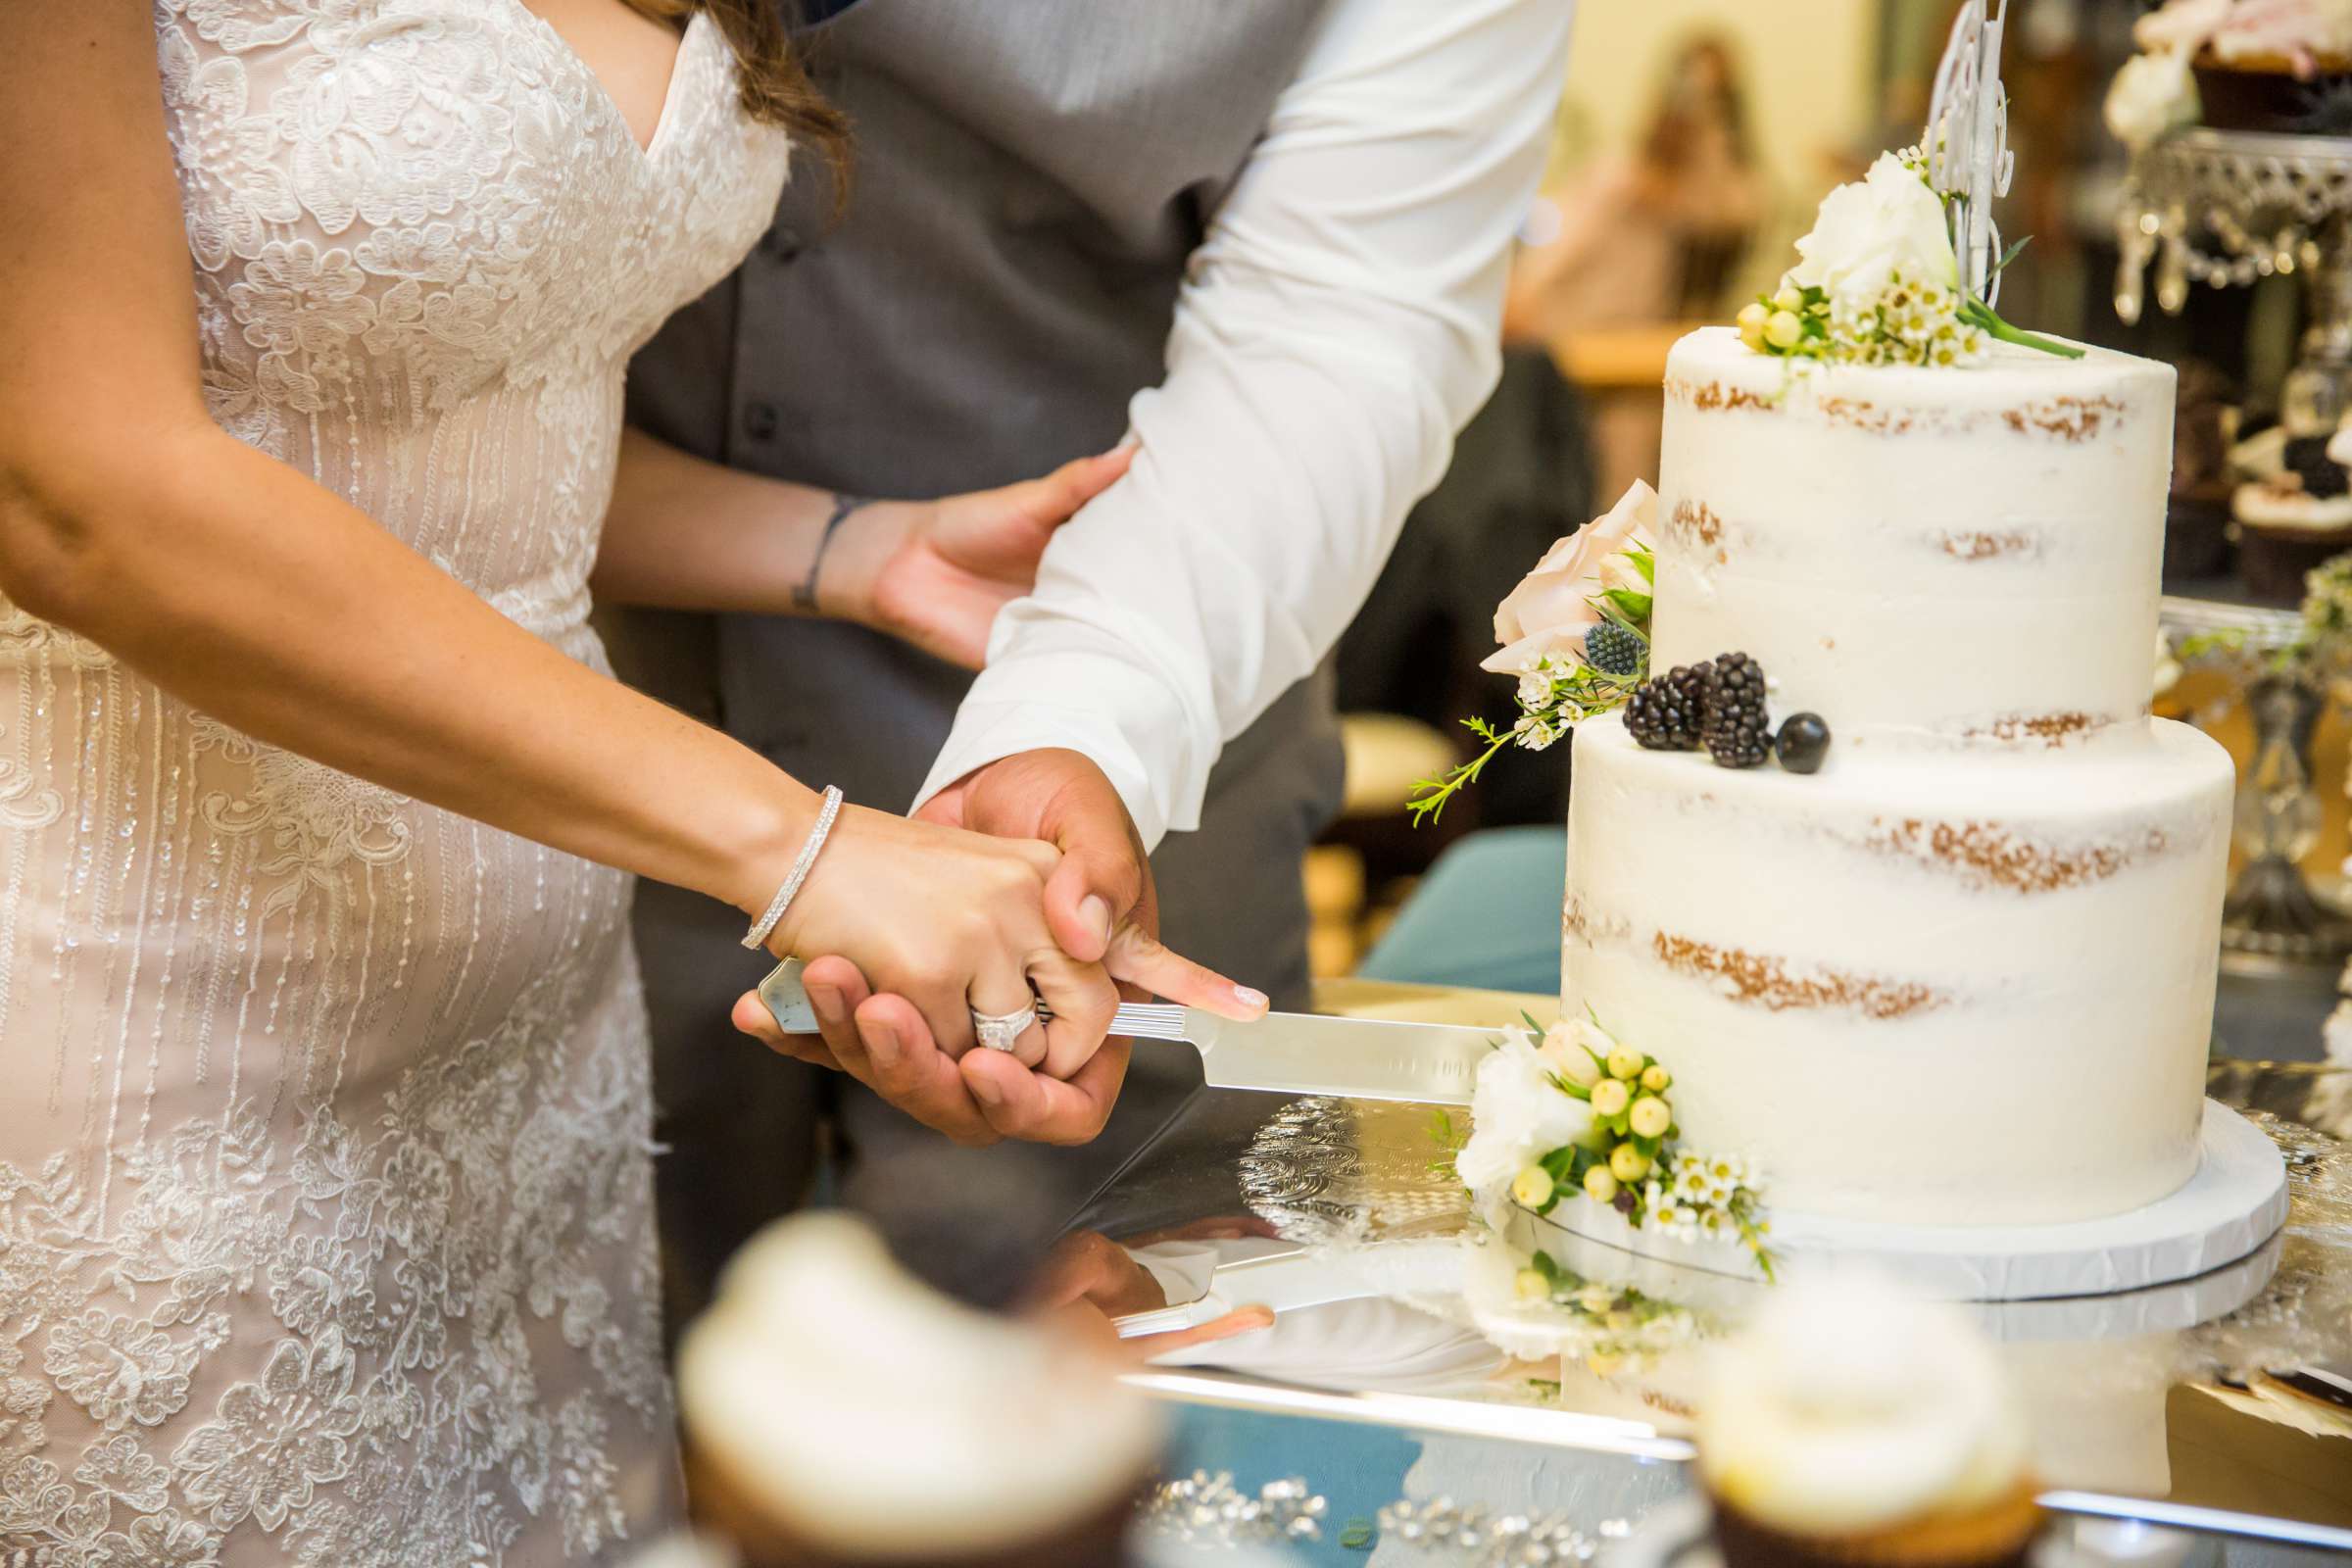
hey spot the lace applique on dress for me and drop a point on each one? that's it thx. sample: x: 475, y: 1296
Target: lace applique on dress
x: 326, y: 1226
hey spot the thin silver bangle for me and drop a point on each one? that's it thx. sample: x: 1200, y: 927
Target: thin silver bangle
x: 758, y: 935
x: 804, y: 593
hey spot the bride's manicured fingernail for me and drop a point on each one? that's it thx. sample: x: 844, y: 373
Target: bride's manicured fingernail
x: 883, y: 1046
x: 1249, y: 998
x: 824, y: 1002
x: 987, y: 1092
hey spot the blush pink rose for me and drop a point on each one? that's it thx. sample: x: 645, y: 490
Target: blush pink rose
x: 1551, y: 609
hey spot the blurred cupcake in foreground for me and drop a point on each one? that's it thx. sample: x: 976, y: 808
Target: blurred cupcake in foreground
x: 1852, y: 1424
x: 842, y: 1413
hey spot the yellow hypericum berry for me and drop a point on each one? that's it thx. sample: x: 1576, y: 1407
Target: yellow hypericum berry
x: 1628, y: 1163
x: 1625, y: 1065
x: 1650, y: 1116
x: 1603, y: 1364
x: 1601, y: 1185
x: 1531, y: 1284
x: 1657, y: 1079
x: 1532, y: 1187
x: 1788, y: 299
x: 1752, y: 315
x: 1784, y: 330
x: 1610, y: 1096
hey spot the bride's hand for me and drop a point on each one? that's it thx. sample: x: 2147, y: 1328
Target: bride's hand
x: 952, y: 922
x: 935, y: 573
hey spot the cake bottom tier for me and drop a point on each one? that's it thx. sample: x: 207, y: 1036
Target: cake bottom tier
x: 1941, y: 987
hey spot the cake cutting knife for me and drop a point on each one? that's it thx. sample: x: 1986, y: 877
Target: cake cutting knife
x: 1282, y: 1052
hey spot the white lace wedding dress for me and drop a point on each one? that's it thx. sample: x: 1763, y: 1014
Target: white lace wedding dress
x: 325, y: 1232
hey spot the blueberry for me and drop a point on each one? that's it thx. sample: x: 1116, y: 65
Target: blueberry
x: 1805, y: 740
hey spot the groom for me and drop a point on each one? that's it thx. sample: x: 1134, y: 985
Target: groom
x: 1265, y: 237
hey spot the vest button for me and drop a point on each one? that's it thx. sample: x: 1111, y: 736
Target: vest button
x: 781, y: 243
x: 759, y: 422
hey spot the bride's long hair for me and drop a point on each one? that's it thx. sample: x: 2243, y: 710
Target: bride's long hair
x: 776, y: 89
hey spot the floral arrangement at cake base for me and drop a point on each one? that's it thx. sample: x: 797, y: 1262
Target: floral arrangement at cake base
x: 1574, y: 1126
x: 1534, y: 1307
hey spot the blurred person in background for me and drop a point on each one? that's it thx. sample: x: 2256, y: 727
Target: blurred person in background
x: 1653, y: 237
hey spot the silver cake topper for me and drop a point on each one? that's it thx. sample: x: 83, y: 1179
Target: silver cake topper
x: 1966, y: 142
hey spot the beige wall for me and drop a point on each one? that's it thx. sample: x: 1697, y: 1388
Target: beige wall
x: 1808, y: 67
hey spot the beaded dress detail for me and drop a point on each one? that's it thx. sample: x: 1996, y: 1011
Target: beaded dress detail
x: 325, y: 1223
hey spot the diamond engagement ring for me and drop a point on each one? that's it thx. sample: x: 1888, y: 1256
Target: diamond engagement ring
x: 1001, y: 1032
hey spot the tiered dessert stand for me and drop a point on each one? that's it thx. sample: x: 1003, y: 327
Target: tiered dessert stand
x: 2226, y: 208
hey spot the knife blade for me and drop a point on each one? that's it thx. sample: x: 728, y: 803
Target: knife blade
x: 1282, y: 1052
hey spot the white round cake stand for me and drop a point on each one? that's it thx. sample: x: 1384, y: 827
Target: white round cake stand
x: 2235, y: 1204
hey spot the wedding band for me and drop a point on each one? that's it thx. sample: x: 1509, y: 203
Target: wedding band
x: 1000, y: 1032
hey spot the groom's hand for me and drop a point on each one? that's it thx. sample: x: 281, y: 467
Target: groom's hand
x: 1061, y: 798
x: 987, y: 1096
x: 1099, y: 902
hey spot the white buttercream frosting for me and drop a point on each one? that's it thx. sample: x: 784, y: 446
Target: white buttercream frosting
x: 2279, y: 505
x: 1915, y: 554
x: 1897, y: 983
x: 872, y: 1418
x: 1849, y: 1406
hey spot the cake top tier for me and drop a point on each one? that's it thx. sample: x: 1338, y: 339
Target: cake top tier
x: 2017, y: 389
x: 1952, y: 554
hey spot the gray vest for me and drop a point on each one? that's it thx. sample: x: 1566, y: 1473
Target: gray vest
x: 1032, y: 176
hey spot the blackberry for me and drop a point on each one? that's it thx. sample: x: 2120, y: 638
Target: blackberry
x: 1666, y: 713
x: 1803, y: 741
x: 1615, y: 650
x: 2322, y: 476
x: 1736, y: 734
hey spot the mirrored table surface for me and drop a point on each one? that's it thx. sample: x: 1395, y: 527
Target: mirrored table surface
x: 2222, y: 1404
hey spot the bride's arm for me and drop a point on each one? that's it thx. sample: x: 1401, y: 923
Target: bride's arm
x: 239, y: 584
x: 263, y: 599
x: 688, y: 534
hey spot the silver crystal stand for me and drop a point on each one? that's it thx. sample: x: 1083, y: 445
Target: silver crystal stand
x: 2226, y: 208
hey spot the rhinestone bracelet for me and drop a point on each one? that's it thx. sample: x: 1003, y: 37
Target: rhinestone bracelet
x: 757, y: 937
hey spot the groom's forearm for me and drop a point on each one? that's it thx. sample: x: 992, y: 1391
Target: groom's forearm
x: 1336, y: 327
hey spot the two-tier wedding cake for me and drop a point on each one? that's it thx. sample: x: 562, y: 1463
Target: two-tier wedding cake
x: 1963, y: 973
x: 1892, y: 914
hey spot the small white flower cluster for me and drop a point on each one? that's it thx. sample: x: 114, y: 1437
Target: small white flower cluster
x: 1614, y: 1327
x: 1914, y: 323
x: 1703, y: 1196
x: 1909, y: 320
x: 1542, y: 716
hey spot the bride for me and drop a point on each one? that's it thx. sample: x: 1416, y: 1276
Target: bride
x: 325, y: 1230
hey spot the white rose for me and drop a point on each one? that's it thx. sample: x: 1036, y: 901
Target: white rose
x: 1517, y: 1116
x: 2151, y: 95
x: 1866, y: 231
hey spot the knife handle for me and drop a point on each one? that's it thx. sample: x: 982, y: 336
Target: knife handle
x: 787, y: 1001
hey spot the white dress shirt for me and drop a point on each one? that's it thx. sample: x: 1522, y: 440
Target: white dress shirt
x: 1336, y: 328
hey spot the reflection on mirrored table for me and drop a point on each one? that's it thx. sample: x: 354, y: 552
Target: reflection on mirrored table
x: 1397, y: 1393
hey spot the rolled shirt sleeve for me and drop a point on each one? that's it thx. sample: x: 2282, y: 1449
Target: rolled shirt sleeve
x: 1336, y: 328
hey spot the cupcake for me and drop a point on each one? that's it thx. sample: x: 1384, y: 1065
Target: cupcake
x: 840, y: 1414
x: 2261, y: 65
x: 1853, y: 1425
x: 2292, y: 519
